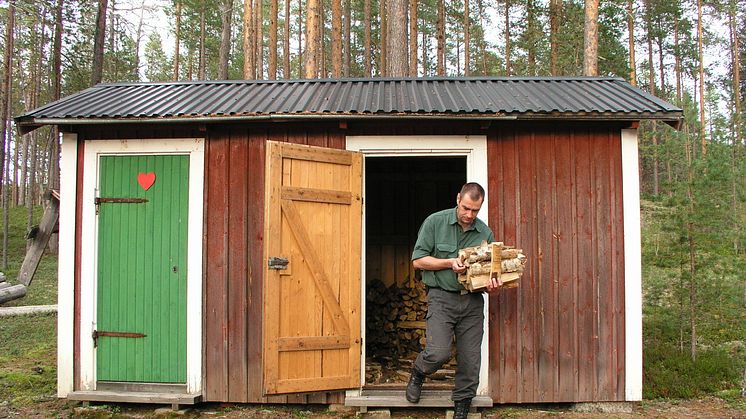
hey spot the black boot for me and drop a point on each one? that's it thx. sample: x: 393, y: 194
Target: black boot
x: 461, y: 408
x: 414, y: 387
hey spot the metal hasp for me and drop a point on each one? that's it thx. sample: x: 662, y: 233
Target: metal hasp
x: 98, y: 201
x: 99, y: 333
x: 278, y: 263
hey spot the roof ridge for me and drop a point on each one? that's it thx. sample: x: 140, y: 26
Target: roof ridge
x: 366, y: 79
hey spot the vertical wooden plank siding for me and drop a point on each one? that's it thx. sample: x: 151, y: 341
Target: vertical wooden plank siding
x: 216, y: 368
x: 233, y: 258
x: 237, y: 267
x: 556, y: 193
x: 78, y: 246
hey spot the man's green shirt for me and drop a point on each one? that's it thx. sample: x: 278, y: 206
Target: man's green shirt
x: 441, y: 236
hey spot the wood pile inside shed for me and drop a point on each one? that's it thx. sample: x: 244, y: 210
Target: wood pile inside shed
x: 395, y: 332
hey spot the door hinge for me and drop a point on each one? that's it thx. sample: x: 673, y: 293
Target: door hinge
x: 98, y: 201
x: 99, y: 333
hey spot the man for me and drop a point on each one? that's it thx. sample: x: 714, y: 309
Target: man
x: 451, y: 309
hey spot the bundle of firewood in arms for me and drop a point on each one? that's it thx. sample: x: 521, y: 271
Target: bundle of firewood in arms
x: 491, y: 260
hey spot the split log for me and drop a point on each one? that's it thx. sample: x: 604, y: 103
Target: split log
x: 12, y: 292
x: 491, y: 260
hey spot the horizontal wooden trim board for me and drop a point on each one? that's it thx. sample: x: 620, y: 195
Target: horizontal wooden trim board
x: 294, y: 385
x: 318, y: 155
x: 295, y: 193
x: 309, y: 343
x: 135, y: 397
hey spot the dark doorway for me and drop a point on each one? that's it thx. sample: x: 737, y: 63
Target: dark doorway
x: 399, y: 193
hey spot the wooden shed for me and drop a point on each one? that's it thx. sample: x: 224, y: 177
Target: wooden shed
x: 218, y: 238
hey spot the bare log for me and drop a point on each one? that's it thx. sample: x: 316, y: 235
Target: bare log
x: 12, y: 292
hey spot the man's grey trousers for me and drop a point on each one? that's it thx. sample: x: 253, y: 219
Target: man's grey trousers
x: 452, y: 314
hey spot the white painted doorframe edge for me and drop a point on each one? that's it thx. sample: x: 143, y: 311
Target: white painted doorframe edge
x: 632, y: 267
x: 194, y: 147
x: 66, y: 265
x: 474, y: 148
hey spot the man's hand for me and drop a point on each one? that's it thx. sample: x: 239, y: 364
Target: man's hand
x: 494, y: 284
x: 457, y: 265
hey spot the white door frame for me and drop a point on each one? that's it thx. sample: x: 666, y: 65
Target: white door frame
x: 474, y: 148
x: 194, y: 148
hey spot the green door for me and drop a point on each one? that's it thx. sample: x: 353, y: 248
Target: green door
x: 141, y: 290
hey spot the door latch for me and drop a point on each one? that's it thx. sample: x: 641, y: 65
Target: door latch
x: 278, y: 263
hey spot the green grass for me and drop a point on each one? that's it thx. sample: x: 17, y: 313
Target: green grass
x: 28, y: 344
x: 28, y: 356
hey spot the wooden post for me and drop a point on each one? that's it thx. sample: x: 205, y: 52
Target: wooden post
x: 46, y: 228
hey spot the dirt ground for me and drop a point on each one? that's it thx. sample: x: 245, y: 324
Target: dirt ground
x: 703, y: 408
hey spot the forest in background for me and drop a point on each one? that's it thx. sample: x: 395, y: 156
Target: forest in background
x: 688, y: 52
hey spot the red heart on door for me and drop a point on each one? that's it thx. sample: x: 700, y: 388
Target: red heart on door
x: 146, y: 180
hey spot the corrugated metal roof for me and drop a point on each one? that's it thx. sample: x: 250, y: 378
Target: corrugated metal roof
x: 470, y: 98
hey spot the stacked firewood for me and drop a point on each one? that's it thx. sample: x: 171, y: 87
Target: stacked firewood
x: 491, y: 260
x: 396, y: 318
x: 395, y: 332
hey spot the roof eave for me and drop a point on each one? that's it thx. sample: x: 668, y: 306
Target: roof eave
x: 674, y: 119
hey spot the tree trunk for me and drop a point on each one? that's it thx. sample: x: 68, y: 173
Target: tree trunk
x: 736, y: 54
x: 286, y: 43
x: 700, y: 43
x: 413, y: 38
x: 226, y: 15
x: 366, y: 41
x: 631, y: 32
x: 321, y: 59
x: 467, y: 39
x: 661, y: 67
x: 312, y: 38
x: 202, y: 36
x: 649, y: 29
x: 677, y: 61
x: 138, y: 41
x: 7, y: 93
x: 177, y: 41
x: 735, y: 121
x: 397, y: 36
x: 441, y: 31
x: 249, y: 54
x: 56, y: 93
x: 346, y: 50
x: 555, y: 16
x: 532, y: 38
x: 99, y: 36
x: 590, y: 39
x: 425, y: 48
x: 383, y: 31
x: 272, y: 48
x: 507, y: 38
x: 336, y: 39
x: 301, y: 57
x: 482, y: 46
x: 259, y: 32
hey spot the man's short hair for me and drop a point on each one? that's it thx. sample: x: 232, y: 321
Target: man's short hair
x: 474, y: 190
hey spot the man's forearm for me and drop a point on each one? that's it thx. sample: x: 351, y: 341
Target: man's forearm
x: 430, y: 263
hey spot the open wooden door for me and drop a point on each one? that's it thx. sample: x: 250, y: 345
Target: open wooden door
x: 313, y: 220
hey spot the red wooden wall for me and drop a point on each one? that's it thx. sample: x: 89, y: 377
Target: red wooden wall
x: 556, y: 192
x: 234, y: 220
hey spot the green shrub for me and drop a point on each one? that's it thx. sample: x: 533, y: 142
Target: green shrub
x: 669, y: 373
